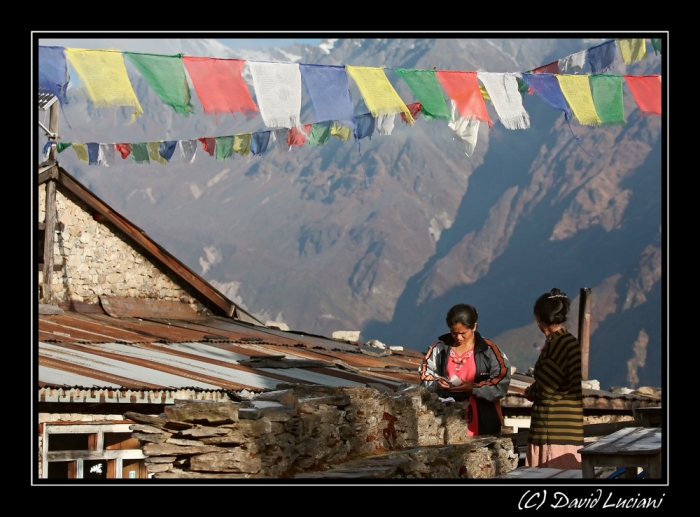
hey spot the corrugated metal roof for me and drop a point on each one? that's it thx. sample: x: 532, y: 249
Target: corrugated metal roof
x: 96, y: 357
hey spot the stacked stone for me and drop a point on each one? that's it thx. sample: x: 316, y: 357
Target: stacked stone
x: 97, y: 260
x: 309, y: 429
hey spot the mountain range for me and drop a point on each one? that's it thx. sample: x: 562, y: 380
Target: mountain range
x: 385, y: 236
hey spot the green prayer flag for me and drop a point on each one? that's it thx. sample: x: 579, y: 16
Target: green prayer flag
x: 523, y: 87
x: 320, y: 133
x: 426, y: 87
x: 62, y: 146
x: 139, y: 153
x: 607, y: 98
x: 656, y: 43
x: 166, y: 75
x: 224, y: 147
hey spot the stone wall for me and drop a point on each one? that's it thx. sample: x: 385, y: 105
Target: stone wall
x: 97, y: 260
x: 318, y: 431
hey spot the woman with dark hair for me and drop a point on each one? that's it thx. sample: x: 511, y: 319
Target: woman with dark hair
x: 464, y: 365
x: 556, y: 421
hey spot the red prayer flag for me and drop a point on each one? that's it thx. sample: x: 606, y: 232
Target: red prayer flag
x: 220, y: 85
x: 551, y: 68
x: 414, y: 109
x: 208, y: 144
x: 296, y: 137
x: 124, y: 149
x: 463, y: 89
x: 646, y: 90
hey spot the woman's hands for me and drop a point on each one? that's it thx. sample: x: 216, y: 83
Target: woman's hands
x: 528, y: 393
x: 465, y: 387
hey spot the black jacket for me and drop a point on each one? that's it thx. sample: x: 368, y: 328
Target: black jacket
x: 490, y: 383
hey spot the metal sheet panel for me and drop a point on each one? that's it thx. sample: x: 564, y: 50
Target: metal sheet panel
x: 146, y: 375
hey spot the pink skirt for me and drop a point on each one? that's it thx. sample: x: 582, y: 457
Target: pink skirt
x: 553, y: 456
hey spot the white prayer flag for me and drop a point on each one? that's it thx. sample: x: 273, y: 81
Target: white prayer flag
x: 278, y: 92
x: 503, y: 90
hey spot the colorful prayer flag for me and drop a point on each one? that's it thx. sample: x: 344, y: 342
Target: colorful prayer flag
x: 241, y: 143
x: 329, y: 91
x: 577, y: 91
x: 295, y: 137
x: 105, y: 156
x: 167, y: 148
x: 551, y: 68
x: 220, y: 86
x: 153, y: 153
x: 166, y: 76
x: 466, y: 130
x: 81, y: 152
x: 646, y: 90
x: 601, y: 57
x: 224, y: 148
x: 139, y: 153
x: 341, y: 132
x: 61, y: 146
x: 506, y: 98
x: 378, y: 93
x: 105, y: 78
x: 414, y: 110
x: 574, y: 62
x: 632, y: 49
x: 656, y: 43
x: 124, y: 150
x: 607, y: 98
x: 259, y: 142
x: 547, y: 87
x: 53, y: 72
x: 463, y: 89
x: 425, y: 86
x: 278, y: 91
x: 320, y: 133
x: 208, y: 144
x: 188, y: 150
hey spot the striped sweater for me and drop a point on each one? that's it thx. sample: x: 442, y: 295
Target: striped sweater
x: 557, y: 410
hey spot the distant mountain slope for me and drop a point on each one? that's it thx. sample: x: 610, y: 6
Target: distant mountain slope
x: 386, y: 238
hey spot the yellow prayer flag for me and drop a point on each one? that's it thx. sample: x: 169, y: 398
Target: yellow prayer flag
x: 241, y: 143
x: 577, y: 92
x: 484, y: 94
x: 153, y: 153
x: 341, y: 132
x: 81, y: 152
x: 632, y: 49
x: 105, y: 77
x: 377, y: 92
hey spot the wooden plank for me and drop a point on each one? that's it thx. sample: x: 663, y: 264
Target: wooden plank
x: 56, y: 267
x: 124, y: 307
x: 604, y: 429
x: 603, y: 443
x: 129, y: 454
x: 541, y: 473
x: 644, y: 442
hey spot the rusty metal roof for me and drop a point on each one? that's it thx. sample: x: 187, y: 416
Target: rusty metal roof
x: 91, y: 356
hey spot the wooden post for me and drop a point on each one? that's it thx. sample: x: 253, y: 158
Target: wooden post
x: 50, y: 212
x: 53, y: 127
x: 584, y: 329
x: 49, y: 232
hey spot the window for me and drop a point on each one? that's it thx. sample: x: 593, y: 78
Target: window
x: 92, y: 451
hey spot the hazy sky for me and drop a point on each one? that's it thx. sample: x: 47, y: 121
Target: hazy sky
x: 264, y: 42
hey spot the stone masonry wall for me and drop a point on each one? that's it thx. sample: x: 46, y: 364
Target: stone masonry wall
x: 97, y: 260
x: 318, y: 431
